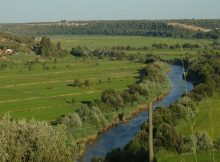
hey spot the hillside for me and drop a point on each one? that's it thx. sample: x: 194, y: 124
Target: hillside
x: 17, y: 43
x: 189, y: 27
x: 153, y: 28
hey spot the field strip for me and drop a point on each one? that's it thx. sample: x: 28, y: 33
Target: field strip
x: 63, y: 72
x: 58, y: 81
x: 30, y: 109
x: 36, y: 98
x: 49, y: 97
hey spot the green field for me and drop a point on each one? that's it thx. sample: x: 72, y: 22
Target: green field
x: 94, y: 42
x: 207, y: 120
x: 165, y: 156
x: 44, y: 94
x: 109, y: 41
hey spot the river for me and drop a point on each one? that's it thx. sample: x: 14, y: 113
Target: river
x: 121, y: 135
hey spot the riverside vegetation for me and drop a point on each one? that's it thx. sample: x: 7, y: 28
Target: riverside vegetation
x: 170, y: 135
x: 84, y: 90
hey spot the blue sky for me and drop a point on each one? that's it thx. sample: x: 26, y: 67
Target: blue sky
x: 55, y: 10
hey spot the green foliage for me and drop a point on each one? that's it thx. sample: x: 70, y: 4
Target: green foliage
x: 202, y: 141
x: 165, y: 119
x: 34, y: 141
x: 217, y: 144
x: 76, y: 83
x: 166, y: 137
x: 112, y: 97
x: 59, y: 47
x: 80, y: 51
x: 71, y: 120
x: 87, y: 83
x: 139, y: 89
x: 91, y: 115
x: 45, y: 46
x: 153, y: 28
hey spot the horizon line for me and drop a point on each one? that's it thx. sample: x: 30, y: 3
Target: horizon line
x: 55, y: 21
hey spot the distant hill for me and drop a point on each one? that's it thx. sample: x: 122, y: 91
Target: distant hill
x: 152, y: 28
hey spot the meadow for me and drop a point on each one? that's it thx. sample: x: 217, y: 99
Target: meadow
x: 41, y: 90
x: 207, y: 120
x: 94, y: 42
x: 45, y: 94
x: 109, y: 41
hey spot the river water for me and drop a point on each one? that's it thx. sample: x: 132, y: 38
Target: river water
x: 121, y: 135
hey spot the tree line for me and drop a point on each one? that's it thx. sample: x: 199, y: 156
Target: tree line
x: 121, y: 27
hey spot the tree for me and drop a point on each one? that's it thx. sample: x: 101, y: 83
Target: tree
x: 45, y: 46
x: 59, y: 47
x: 79, y: 51
x: 112, y: 98
x: 87, y: 83
x: 76, y: 83
x: 71, y: 120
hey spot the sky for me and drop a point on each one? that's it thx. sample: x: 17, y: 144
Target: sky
x: 13, y: 11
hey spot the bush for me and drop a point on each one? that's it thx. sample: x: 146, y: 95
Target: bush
x: 35, y: 141
x: 217, y: 144
x: 71, y: 120
x: 166, y: 137
x: 112, y: 98
x: 187, y: 145
x: 91, y: 115
x: 138, y: 88
x: 76, y: 83
x: 203, y: 141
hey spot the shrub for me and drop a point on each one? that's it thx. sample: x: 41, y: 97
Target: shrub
x: 203, y: 141
x: 138, y: 88
x: 91, y: 115
x: 112, y: 98
x: 187, y: 145
x: 217, y: 144
x: 71, y: 120
x: 76, y: 83
x: 35, y: 141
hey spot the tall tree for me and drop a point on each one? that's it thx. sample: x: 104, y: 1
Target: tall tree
x: 45, y: 46
x: 59, y: 47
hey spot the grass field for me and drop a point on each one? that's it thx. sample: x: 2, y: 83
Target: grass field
x: 94, y: 42
x: 165, y: 156
x: 44, y: 94
x: 109, y: 41
x: 207, y: 118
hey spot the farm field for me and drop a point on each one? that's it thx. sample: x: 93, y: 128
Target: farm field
x: 45, y: 94
x: 94, y: 42
x: 41, y: 90
x: 109, y: 41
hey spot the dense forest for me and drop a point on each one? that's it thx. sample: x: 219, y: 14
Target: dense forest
x: 126, y: 27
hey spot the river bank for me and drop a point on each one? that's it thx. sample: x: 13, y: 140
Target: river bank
x: 141, y: 108
x: 119, y: 136
x: 131, y: 111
